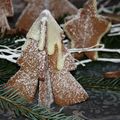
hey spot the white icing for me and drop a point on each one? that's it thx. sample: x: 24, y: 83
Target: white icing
x: 45, y: 23
x: 41, y: 44
x: 54, y: 38
x: 34, y: 32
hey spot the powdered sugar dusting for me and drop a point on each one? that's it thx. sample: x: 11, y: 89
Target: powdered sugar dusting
x: 66, y: 89
x: 26, y: 79
x: 37, y: 65
x: 54, y: 85
x: 87, y: 28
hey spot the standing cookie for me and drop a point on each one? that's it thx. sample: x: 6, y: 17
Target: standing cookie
x: 86, y: 29
x: 46, y: 61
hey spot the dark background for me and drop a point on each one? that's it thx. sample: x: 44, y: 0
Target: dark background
x: 103, y: 104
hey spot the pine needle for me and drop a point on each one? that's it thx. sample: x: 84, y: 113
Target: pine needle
x: 9, y: 98
x: 100, y: 83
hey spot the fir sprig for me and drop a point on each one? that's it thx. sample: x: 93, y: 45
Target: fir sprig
x: 100, y: 83
x: 10, y: 99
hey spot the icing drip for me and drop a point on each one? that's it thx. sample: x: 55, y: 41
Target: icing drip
x: 45, y: 23
x: 54, y: 37
x: 41, y: 44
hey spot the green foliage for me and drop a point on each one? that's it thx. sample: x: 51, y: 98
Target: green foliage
x: 111, y: 41
x: 7, y: 69
x: 100, y: 83
x: 10, y: 99
x: 10, y: 40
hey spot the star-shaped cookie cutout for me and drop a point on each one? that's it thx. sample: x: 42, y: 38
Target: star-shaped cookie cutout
x: 86, y: 29
x: 58, y: 8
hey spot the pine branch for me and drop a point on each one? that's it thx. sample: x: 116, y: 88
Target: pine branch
x: 7, y: 69
x: 9, y: 99
x: 83, y: 62
x: 100, y: 83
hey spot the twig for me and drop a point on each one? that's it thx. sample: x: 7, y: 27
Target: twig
x: 115, y: 25
x: 65, y: 41
x: 20, y: 40
x: 9, y: 54
x: 79, y: 50
x: 10, y: 58
x: 115, y: 30
x: 83, y: 62
x: 109, y: 9
x: 104, y: 9
x: 10, y: 49
x: 114, y: 34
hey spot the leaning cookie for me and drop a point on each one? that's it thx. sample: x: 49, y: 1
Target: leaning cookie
x: 86, y: 29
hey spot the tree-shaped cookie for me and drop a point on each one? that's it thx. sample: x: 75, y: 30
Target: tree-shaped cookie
x: 47, y: 61
x: 58, y: 8
x: 6, y: 9
x: 66, y: 90
x: 86, y: 29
